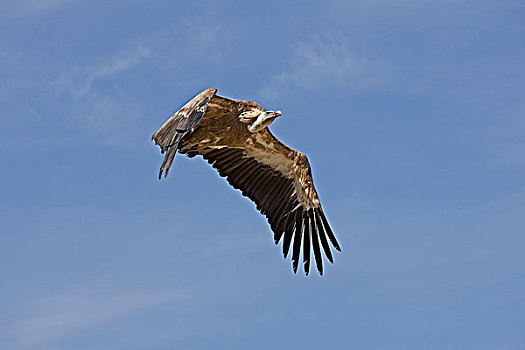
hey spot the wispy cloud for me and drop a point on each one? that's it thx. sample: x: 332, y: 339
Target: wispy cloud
x: 196, y: 39
x: 105, y: 111
x: 81, y: 82
x: 328, y: 61
x: 18, y: 8
x: 72, y: 312
x: 95, y: 94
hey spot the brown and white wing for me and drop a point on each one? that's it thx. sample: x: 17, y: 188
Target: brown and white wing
x: 180, y: 124
x: 279, y: 180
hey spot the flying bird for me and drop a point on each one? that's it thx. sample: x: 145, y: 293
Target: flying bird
x: 233, y: 136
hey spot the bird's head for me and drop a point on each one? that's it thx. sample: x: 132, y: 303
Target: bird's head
x: 263, y: 120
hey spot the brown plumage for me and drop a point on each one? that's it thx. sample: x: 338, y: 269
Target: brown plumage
x: 232, y: 135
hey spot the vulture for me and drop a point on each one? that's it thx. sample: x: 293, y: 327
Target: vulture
x: 233, y: 136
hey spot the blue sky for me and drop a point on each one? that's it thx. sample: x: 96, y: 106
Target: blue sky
x: 411, y: 113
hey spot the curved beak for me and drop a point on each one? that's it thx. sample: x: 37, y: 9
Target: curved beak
x: 269, y: 117
x: 273, y: 114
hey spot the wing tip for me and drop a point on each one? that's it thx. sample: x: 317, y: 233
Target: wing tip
x: 306, y: 267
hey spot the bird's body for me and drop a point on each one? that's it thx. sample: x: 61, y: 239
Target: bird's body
x: 232, y: 135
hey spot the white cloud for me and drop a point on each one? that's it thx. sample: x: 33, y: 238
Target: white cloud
x: 19, y: 8
x: 80, y: 83
x: 109, y: 115
x: 97, y: 95
x: 72, y: 312
x: 196, y: 39
x: 327, y: 61
x: 106, y: 112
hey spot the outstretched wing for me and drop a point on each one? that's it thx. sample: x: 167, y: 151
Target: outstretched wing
x: 180, y: 123
x: 279, y: 180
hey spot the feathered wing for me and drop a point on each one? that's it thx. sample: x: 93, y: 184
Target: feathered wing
x: 278, y: 179
x: 179, y: 125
